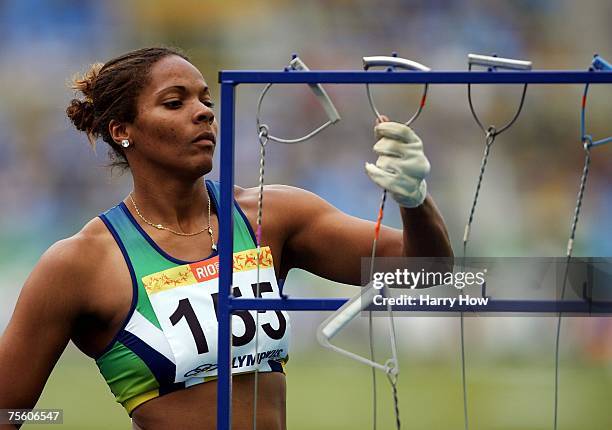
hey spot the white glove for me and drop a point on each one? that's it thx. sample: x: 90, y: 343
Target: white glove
x: 401, y: 167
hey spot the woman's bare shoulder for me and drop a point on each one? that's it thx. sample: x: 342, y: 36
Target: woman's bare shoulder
x: 80, y: 253
x: 277, y: 194
x: 287, y: 209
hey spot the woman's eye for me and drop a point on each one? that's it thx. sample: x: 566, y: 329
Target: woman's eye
x: 173, y: 104
x: 209, y: 103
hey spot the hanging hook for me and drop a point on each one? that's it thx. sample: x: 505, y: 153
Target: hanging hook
x: 493, y: 63
x: 395, y: 62
x: 491, y: 132
x: 598, y: 64
x: 345, y: 314
x: 296, y: 64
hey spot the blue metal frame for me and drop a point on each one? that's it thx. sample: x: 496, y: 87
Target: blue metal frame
x: 493, y: 305
x: 227, y: 304
x: 236, y: 77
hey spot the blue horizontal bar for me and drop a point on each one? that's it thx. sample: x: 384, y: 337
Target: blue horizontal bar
x: 518, y: 306
x: 411, y: 77
x: 286, y: 304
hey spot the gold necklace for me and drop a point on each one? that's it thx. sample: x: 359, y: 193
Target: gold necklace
x: 179, y: 233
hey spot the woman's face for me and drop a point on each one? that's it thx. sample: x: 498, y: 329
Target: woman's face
x: 175, y: 127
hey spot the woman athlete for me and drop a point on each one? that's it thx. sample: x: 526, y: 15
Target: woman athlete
x: 115, y: 287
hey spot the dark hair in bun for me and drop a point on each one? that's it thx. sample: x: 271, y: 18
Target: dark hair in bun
x: 109, y: 91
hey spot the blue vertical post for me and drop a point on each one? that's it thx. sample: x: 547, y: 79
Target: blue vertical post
x: 226, y: 236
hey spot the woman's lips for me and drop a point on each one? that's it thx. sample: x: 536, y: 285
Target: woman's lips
x: 206, y: 136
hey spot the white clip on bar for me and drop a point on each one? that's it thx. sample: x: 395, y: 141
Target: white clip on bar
x: 502, y: 63
x: 321, y: 95
x: 319, y: 92
x: 383, y: 61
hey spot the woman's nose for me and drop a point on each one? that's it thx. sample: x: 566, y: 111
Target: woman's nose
x: 204, y: 114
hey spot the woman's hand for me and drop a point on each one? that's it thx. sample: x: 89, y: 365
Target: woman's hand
x: 401, y: 167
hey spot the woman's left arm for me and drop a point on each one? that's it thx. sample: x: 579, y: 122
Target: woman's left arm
x: 327, y: 242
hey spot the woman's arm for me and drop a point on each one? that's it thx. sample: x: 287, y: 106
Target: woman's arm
x: 329, y: 243
x: 325, y: 241
x: 42, y: 322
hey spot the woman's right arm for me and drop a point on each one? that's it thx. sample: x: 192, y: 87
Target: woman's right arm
x: 42, y: 323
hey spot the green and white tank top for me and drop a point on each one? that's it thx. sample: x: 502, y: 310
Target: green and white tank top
x: 168, y: 340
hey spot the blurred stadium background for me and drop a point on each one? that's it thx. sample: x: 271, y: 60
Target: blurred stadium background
x: 52, y: 183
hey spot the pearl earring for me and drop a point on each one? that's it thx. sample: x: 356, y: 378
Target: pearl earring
x: 125, y: 143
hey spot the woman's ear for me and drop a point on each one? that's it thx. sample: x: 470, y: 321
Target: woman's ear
x: 118, y: 131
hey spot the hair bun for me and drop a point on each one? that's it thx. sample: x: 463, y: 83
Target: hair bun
x: 81, y: 113
x: 85, y: 83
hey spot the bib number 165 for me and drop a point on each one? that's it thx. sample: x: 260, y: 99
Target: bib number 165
x: 185, y: 310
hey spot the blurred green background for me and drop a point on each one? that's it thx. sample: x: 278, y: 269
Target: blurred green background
x: 52, y: 183
x: 328, y: 392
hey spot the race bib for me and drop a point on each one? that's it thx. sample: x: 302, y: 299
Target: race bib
x: 185, y: 299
